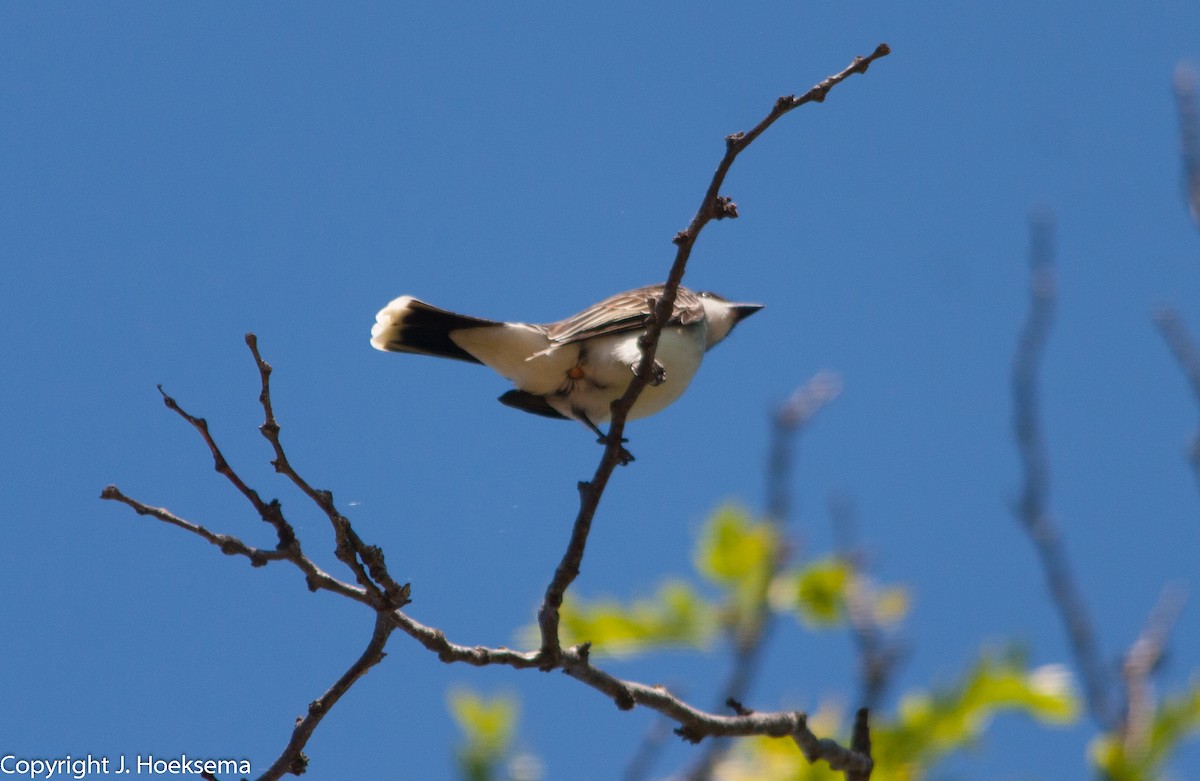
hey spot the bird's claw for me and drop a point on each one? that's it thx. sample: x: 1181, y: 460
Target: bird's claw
x: 658, y: 374
x: 624, y: 457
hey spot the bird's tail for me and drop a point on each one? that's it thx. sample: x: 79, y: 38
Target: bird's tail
x: 407, y: 325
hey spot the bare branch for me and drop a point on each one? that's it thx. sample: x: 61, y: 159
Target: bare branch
x: 380, y: 591
x: 351, y: 550
x: 293, y: 760
x: 1032, y: 508
x: 271, y: 512
x: 316, y: 577
x: 230, y: 546
x: 694, y: 724
x: 713, y: 206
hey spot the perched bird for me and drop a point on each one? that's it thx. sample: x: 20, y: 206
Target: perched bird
x: 573, y: 369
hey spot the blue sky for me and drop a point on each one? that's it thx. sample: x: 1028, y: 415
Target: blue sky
x: 174, y: 175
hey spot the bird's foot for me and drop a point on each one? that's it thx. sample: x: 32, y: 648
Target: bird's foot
x: 624, y: 457
x: 658, y: 373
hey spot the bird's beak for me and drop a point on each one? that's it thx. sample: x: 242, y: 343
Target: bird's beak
x: 742, y: 311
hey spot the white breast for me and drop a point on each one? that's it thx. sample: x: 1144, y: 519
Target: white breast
x: 606, y: 363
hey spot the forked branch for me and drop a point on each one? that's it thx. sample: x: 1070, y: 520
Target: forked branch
x: 375, y: 587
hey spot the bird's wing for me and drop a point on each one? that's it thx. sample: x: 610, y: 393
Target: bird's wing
x: 624, y: 312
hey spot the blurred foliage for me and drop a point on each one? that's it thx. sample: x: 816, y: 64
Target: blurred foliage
x: 818, y: 592
x: 1133, y: 757
x: 926, y: 728
x: 735, y: 551
x: 738, y: 555
x: 487, y: 726
x: 826, y: 593
x: 676, y: 616
x: 743, y: 558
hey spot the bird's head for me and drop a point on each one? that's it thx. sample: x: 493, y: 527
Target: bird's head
x: 722, y: 315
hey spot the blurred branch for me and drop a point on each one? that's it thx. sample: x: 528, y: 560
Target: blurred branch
x: 642, y: 762
x: 877, y: 657
x: 1032, y: 508
x: 1141, y: 661
x: 713, y: 206
x: 1183, y: 347
x: 789, y: 420
x: 1189, y: 135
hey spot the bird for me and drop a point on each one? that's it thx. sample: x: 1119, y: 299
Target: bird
x: 575, y: 368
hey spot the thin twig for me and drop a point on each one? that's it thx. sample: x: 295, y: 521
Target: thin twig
x: 351, y: 550
x: 271, y: 512
x: 293, y: 760
x: 1032, y: 508
x: 315, y: 577
x: 713, y: 206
